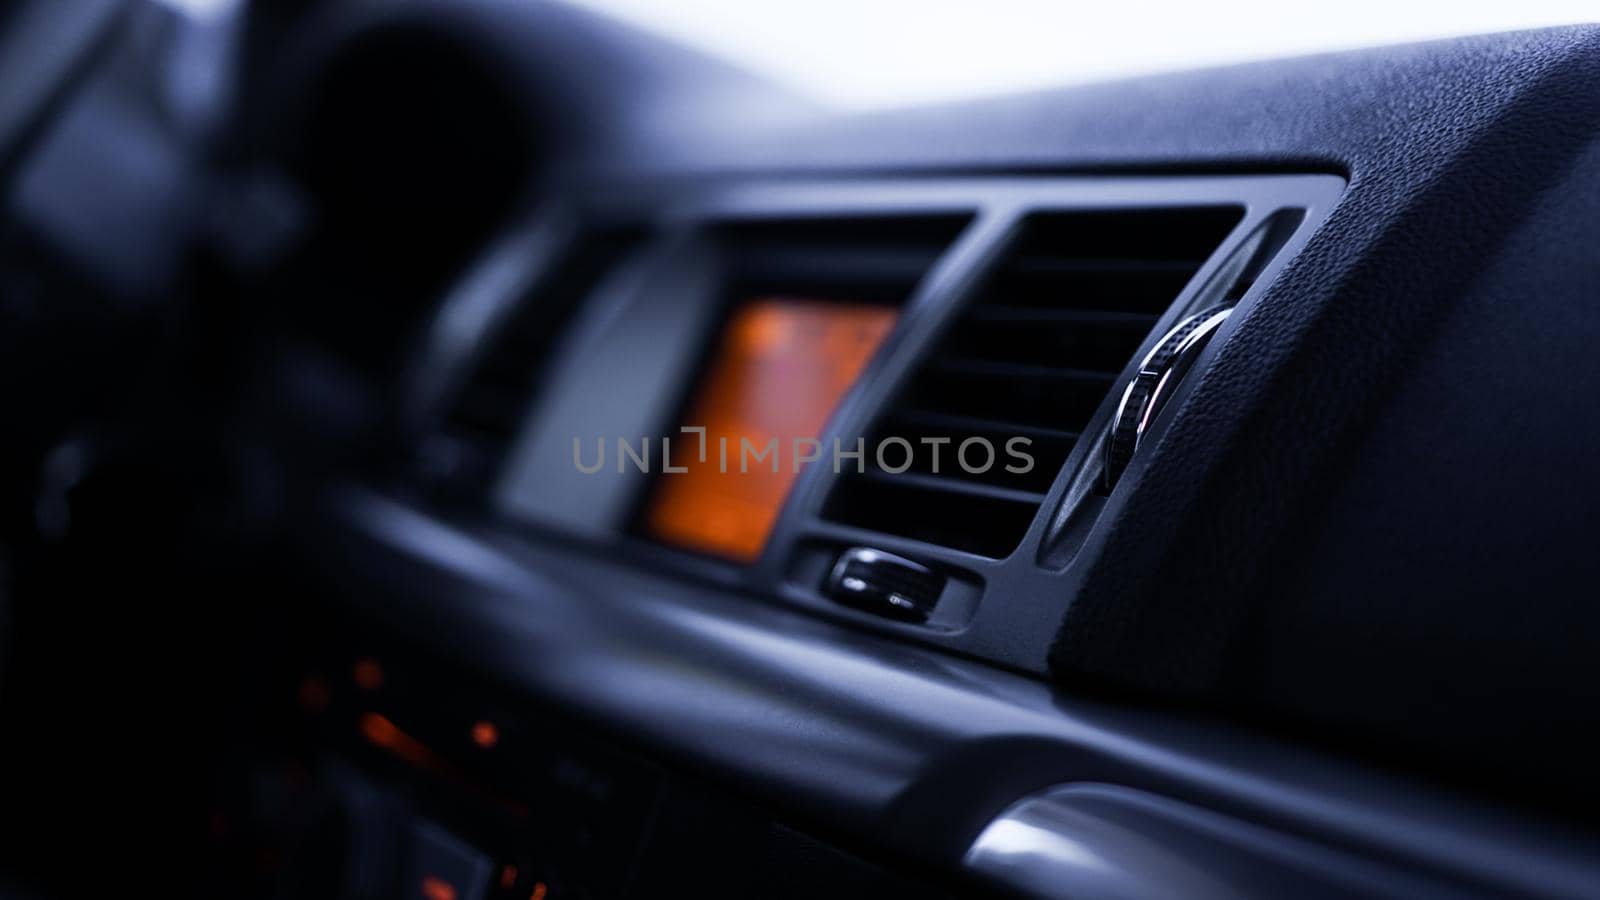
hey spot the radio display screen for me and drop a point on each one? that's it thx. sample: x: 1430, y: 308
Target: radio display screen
x: 774, y: 377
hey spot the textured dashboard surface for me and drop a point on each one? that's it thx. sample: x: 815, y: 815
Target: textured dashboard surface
x: 907, y: 745
x: 1451, y: 280
x: 1380, y: 426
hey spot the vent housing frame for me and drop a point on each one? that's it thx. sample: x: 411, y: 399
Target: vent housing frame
x: 1033, y: 354
x: 1005, y: 608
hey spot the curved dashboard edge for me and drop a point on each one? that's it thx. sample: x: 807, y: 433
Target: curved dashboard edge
x: 1108, y: 841
x: 910, y: 747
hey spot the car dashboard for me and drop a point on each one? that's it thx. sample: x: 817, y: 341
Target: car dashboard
x: 574, y: 467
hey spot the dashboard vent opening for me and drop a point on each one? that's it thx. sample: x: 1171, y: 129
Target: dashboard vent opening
x: 1032, y: 357
x: 863, y: 259
x: 482, y: 420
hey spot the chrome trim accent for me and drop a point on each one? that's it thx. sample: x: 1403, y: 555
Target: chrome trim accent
x: 1160, y: 372
x: 1055, y: 845
x: 1119, y: 843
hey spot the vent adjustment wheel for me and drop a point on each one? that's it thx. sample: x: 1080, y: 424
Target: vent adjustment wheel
x: 1159, y: 375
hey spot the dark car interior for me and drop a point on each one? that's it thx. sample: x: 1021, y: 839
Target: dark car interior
x: 486, y: 449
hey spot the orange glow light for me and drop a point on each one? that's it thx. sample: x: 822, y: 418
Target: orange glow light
x: 368, y: 674
x: 437, y: 888
x: 779, y: 370
x: 539, y: 890
x: 382, y: 733
x: 508, y: 877
x: 485, y: 734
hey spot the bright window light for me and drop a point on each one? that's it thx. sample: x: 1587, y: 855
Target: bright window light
x: 876, y: 53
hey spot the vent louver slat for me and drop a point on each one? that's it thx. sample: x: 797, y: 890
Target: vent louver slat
x: 479, y: 424
x: 1033, y: 356
x: 875, y: 259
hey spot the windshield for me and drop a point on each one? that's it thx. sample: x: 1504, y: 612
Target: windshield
x: 863, y: 54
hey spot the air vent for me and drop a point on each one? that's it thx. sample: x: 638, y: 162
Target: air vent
x: 1032, y: 357
x: 871, y: 259
x: 480, y: 423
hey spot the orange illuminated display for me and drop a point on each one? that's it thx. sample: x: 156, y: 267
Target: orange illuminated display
x: 777, y: 374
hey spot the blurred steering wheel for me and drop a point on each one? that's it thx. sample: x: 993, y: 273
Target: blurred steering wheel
x: 44, y: 45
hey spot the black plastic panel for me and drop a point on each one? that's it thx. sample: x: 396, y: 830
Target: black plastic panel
x: 954, y: 245
x: 1468, y: 192
x: 915, y: 749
